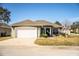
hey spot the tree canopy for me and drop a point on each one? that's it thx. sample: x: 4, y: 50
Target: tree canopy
x: 4, y: 15
x: 57, y: 22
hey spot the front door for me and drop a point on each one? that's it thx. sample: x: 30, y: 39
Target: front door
x: 48, y: 32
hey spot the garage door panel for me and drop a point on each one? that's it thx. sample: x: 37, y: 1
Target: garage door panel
x: 31, y: 33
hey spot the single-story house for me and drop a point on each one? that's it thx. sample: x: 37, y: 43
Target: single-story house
x: 34, y: 29
x: 5, y: 30
x: 75, y: 29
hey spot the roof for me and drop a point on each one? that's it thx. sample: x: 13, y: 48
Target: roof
x: 4, y: 25
x: 34, y: 23
x: 24, y: 23
x: 42, y: 23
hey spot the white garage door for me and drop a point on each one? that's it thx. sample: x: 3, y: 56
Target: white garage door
x: 27, y: 33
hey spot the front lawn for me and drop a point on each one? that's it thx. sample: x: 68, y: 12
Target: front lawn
x: 4, y: 38
x: 59, y: 40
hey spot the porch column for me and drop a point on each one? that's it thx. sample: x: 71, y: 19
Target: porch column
x: 13, y: 32
x: 45, y: 30
x: 38, y: 32
x: 50, y: 31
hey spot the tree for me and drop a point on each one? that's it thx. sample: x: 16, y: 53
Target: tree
x: 67, y: 24
x: 66, y: 27
x: 4, y: 15
x: 57, y: 22
x: 75, y: 27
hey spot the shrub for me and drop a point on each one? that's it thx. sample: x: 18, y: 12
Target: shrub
x: 44, y: 35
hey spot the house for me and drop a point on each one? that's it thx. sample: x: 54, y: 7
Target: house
x: 5, y: 30
x: 34, y: 29
x: 75, y: 30
x: 75, y: 27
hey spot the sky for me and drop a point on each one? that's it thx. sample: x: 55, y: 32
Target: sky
x: 43, y: 11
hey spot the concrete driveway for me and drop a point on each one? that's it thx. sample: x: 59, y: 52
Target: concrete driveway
x: 19, y: 41
x: 25, y: 47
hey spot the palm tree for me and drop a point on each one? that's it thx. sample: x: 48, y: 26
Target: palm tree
x: 4, y: 15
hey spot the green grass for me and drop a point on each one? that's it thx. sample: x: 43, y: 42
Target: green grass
x: 59, y: 40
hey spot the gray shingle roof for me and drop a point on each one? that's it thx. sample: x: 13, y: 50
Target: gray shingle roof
x: 35, y: 23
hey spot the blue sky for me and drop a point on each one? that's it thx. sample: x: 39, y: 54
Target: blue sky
x: 46, y: 11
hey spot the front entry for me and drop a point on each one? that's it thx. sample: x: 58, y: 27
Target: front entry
x: 45, y: 31
x: 48, y: 32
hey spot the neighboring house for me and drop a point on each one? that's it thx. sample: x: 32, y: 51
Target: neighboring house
x: 75, y: 30
x: 34, y: 29
x: 5, y: 30
x: 75, y: 27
